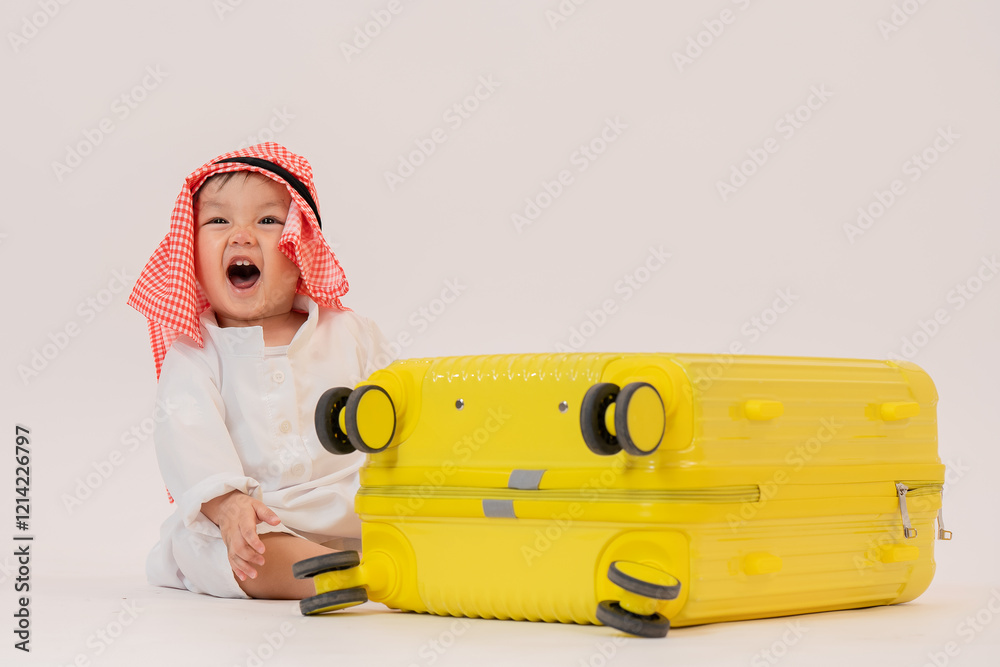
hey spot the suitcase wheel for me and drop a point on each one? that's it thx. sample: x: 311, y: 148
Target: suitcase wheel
x: 644, y: 580
x: 370, y: 419
x: 329, y: 410
x: 593, y: 409
x: 640, y: 419
x: 610, y: 613
x: 333, y: 601
x: 642, y: 587
x: 340, y: 560
x: 613, y: 419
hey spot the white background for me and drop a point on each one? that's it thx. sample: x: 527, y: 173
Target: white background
x: 228, y: 78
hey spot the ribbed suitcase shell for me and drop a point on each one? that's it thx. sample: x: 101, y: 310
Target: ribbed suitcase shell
x: 488, y: 503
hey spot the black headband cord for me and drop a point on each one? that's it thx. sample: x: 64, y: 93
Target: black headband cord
x: 288, y: 177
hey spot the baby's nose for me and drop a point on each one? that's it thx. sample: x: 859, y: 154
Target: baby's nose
x: 242, y: 236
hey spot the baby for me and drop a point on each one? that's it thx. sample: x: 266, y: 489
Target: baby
x: 247, y: 330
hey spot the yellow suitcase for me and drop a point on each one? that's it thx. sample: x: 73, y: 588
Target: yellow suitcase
x: 636, y: 490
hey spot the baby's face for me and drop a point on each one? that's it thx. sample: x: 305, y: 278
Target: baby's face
x: 237, y: 261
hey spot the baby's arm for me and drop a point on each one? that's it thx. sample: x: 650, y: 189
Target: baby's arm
x: 199, y: 463
x: 237, y: 515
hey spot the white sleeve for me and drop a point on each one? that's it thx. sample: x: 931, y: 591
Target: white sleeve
x: 377, y: 350
x: 194, y: 449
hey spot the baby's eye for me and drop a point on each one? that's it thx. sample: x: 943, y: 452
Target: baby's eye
x: 271, y: 221
x: 216, y: 221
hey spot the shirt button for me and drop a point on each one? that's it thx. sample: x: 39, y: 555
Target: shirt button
x: 298, y: 469
x: 285, y: 427
x: 278, y: 377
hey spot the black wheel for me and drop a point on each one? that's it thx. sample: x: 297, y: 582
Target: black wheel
x: 644, y: 580
x: 333, y: 601
x: 333, y: 439
x: 611, y: 614
x: 370, y: 419
x: 340, y: 560
x: 640, y: 420
x: 595, y: 433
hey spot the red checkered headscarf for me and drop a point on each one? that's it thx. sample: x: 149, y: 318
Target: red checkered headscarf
x: 167, y: 292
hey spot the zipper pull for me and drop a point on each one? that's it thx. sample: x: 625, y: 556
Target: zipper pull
x: 942, y: 533
x: 908, y: 530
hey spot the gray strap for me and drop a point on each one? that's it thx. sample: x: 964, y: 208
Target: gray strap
x: 525, y: 480
x: 499, y: 509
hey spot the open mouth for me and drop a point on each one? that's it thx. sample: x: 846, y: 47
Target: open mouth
x: 243, y: 274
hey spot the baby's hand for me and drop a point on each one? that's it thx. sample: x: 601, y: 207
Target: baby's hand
x: 237, y: 515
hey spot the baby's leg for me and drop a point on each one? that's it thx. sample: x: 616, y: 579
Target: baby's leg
x: 274, y: 580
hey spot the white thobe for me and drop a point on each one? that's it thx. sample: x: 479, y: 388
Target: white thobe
x: 241, y: 416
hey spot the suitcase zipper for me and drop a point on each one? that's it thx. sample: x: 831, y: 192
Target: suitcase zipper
x: 901, y: 491
x: 731, y: 494
x: 942, y: 533
x: 919, y: 488
x: 748, y: 493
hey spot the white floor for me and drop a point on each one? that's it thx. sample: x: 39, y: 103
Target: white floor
x: 126, y: 622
